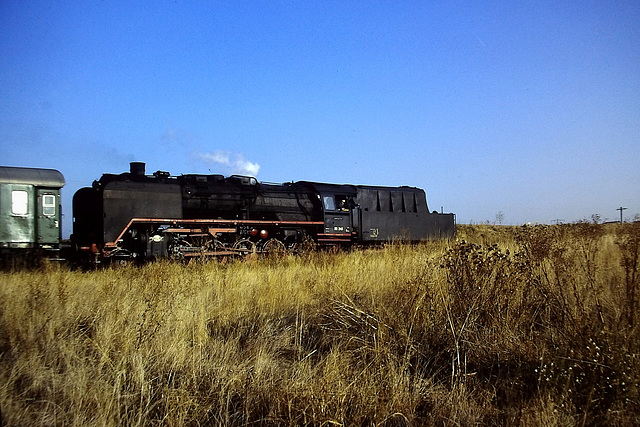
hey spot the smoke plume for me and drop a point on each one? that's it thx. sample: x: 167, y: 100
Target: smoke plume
x: 235, y: 163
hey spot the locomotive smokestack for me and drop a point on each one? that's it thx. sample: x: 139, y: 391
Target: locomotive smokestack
x: 137, y: 168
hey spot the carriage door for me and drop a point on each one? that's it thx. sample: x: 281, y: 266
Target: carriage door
x: 337, y: 215
x: 48, y: 216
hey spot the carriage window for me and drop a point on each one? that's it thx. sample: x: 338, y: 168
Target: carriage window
x: 329, y: 203
x: 49, y: 205
x: 19, y: 202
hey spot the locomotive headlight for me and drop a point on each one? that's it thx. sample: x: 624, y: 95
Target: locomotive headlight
x: 253, y: 232
x: 264, y: 234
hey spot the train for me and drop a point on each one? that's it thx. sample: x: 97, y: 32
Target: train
x: 30, y: 214
x: 135, y: 216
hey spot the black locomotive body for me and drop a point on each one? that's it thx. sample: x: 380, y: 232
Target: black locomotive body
x: 134, y: 215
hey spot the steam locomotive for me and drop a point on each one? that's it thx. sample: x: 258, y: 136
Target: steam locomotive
x: 133, y: 215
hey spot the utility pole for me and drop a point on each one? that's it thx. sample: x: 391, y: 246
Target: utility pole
x: 621, y: 209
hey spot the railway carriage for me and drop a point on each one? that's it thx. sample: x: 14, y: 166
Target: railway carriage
x: 30, y: 213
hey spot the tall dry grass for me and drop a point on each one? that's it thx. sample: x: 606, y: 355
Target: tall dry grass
x: 506, y: 325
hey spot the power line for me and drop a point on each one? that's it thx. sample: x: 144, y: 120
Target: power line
x: 621, y: 209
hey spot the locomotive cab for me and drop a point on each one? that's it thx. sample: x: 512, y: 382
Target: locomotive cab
x: 337, y: 214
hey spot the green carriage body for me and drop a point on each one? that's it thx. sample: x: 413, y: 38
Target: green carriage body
x: 30, y: 214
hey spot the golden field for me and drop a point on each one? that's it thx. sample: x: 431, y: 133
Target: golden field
x: 503, y: 326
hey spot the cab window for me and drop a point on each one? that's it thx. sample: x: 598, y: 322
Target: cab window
x: 329, y: 203
x: 342, y: 203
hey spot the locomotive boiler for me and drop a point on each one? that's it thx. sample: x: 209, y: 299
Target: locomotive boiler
x: 138, y: 216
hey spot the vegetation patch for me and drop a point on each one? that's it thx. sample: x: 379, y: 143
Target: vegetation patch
x: 532, y: 325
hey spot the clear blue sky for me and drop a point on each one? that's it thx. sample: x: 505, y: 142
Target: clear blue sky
x: 531, y: 109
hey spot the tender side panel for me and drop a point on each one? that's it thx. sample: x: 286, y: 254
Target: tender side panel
x: 391, y: 213
x: 442, y: 226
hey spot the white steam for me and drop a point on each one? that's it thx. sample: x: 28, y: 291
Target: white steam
x: 235, y: 163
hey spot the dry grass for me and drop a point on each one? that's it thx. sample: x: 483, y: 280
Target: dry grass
x: 507, y: 325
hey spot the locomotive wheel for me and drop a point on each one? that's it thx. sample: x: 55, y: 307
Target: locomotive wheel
x: 244, y: 247
x: 275, y: 248
x: 202, y: 242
